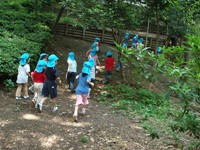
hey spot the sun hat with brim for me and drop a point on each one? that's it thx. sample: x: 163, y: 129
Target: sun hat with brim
x: 52, y: 60
x: 42, y: 54
x: 94, y: 46
x: 71, y: 56
x: 127, y: 35
x: 97, y: 39
x: 141, y: 40
x: 91, y: 61
x: 93, y: 52
x: 40, y: 66
x: 109, y: 53
x: 23, y: 58
x: 86, y: 67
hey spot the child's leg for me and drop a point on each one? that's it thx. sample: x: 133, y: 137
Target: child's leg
x: 31, y: 88
x: 72, y: 80
x: 78, y: 102
x: 25, y: 90
x: 85, y: 103
x: 39, y: 93
x: 18, y: 91
x: 34, y: 100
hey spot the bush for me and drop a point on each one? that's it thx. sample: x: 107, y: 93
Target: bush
x: 20, y: 32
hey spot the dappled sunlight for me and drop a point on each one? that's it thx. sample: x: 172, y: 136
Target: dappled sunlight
x: 5, y: 122
x: 49, y: 141
x: 30, y: 117
x: 134, y: 126
x: 73, y: 124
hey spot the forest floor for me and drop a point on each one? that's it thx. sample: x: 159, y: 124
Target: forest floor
x: 22, y: 128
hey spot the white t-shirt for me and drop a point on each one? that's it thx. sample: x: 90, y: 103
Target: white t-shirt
x: 72, y: 66
x: 23, y: 71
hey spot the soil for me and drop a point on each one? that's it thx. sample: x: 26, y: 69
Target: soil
x: 22, y: 128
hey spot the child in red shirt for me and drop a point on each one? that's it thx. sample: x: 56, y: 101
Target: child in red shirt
x: 109, y: 66
x: 38, y: 77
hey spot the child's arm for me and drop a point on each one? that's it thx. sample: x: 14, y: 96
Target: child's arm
x: 87, y: 53
x: 32, y: 78
x: 90, y: 83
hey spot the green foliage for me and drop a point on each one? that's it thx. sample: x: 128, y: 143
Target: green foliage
x: 20, y: 33
x: 17, y: 109
x: 84, y: 139
x: 189, y: 123
x: 9, y: 84
x: 153, y: 133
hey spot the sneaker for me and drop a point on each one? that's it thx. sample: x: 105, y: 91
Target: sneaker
x: 17, y: 97
x: 39, y: 108
x: 26, y: 97
x: 54, y: 109
x: 83, y: 111
x: 75, y: 118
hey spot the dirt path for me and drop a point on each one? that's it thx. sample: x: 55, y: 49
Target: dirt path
x: 22, y: 128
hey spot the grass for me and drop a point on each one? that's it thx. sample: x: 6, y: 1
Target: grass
x: 158, y: 115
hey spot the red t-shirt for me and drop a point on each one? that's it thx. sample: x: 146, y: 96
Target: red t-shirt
x: 38, y: 77
x: 110, y: 61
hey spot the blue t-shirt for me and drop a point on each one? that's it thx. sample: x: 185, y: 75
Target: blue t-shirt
x: 83, y: 86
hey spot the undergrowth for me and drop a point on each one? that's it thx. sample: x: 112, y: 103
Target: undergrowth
x: 159, y: 116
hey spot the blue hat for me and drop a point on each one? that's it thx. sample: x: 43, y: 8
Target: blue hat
x: 94, y: 46
x: 93, y: 52
x: 96, y: 39
x: 42, y: 54
x: 91, y: 61
x: 23, y: 58
x: 124, y: 45
x: 86, y: 67
x: 159, y: 49
x: 127, y: 35
x: 52, y: 60
x: 141, y: 40
x: 40, y: 66
x: 109, y: 53
x: 71, y: 56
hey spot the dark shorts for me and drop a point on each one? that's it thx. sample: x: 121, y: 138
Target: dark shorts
x: 71, y: 77
x: 49, y: 89
x: 92, y: 80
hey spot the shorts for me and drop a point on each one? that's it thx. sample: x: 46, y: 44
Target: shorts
x: 92, y: 80
x: 49, y: 89
x: 81, y: 99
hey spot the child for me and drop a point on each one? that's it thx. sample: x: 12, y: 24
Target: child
x: 92, y: 74
x: 38, y: 77
x: 22, y: 77
x: 50, y: 86
x: 93, y: 54
x: 140, y: 46
x: 43, y: 56
x: 71, y: 71
x: 82, y: 89
x: 109, y: 66
x: 135, y: 41
x: 97, y: 42
x: 124, y: 45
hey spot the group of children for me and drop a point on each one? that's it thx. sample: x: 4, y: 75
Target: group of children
x: 46, y: 77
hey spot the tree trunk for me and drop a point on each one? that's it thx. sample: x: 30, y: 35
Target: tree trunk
x: 58, y: 19
x: 36, y: 9
x: 117, y: 38
x: 147, y: 33
x: 158, y: 27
